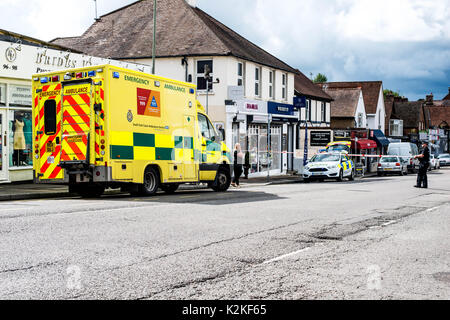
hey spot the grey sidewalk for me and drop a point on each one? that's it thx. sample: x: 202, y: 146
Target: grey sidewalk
x: 28, y: 190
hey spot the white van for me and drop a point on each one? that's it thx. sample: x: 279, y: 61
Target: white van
x: 407, y: 150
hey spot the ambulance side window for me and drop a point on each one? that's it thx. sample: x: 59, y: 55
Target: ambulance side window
x: 204, y: 128
x: 50, y: 117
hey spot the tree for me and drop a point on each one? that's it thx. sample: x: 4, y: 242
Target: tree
x: 320, y: 78
x: 391, y: 92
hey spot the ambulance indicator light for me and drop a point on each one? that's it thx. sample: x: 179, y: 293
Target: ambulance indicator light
x: 44, y: 80
x: 36, y: 79
x: 99, y: 70
x: 157, y: 84
x: 116, y: 75
x: 79, y: 75
x: 191, y: 91
x: 91, y: 74
x: 68, y: 76
x: 55, y: 79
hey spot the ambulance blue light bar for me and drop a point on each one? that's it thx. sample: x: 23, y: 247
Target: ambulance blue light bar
x: 191, y: 91
x: 116, y: 75
x: 92, y: 73
x: 44, y: 80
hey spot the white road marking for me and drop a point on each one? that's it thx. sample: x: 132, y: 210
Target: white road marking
x: 434, y: 208
x: 388, y: 223
x: 286, y: 255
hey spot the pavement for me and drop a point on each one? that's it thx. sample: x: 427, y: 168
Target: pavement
x: 28, y: 190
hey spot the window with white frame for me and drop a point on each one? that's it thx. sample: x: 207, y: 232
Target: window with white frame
x: 240, y: 74
x: 202, y: 66
x: 323, y: 112
x: 271, y: 82
x: 360, y: 120
x: 308, y: 110
x: 284, y: 86
x: 257, y: 81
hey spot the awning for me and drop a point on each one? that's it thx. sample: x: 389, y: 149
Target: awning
x: 363, y: 144
x: 380, y: 138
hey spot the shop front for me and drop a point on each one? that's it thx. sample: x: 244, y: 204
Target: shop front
x: 263, y: 133
x: 19, y: 60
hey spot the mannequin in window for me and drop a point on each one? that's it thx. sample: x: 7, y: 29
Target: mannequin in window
x: 19, y: 140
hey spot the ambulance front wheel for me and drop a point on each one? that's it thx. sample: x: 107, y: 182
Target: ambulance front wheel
x: 151, y: 182
x: 223, y: 180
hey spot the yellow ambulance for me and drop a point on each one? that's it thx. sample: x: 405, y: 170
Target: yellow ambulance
x: 105, y: 126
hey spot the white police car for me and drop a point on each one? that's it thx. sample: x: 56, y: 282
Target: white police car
x: 329, y: 166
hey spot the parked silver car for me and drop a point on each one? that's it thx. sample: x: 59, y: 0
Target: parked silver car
x: 434, y: 163
x: 444, y: 159
x: 392, y: 165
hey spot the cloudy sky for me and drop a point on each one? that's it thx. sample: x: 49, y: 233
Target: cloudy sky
x: 404, y: 43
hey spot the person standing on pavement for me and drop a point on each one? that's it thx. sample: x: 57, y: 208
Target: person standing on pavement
x: 424, y: 158
x: 237, y: 165
x: 246, y: 164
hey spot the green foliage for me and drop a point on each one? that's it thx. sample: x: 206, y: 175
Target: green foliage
x: 320, y: 78
x: 390, y: 92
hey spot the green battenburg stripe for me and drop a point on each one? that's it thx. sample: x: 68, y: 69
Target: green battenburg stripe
x: 212, y: 146
x: 143, y: 140
x: 165, y: 154
x: 188, y: 143
x: 122, y: 152
x: 178, y: 142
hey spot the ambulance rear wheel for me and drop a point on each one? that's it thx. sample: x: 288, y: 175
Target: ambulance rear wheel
x: 223, y: 180
x: 169, y: 188
x: 151, y: 182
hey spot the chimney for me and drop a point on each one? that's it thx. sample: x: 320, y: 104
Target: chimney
x: 429, y: 99
x: 192, y: 3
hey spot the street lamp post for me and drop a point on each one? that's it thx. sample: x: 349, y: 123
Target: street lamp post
x: 154, y: 37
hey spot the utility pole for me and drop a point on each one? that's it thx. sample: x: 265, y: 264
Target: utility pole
x: 96, y: 17
x: 154, y: 37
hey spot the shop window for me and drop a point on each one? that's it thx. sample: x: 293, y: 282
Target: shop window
x: 202, y: 66
x: 20, y: 142
x: 2, y: 94
x: 50, y: 117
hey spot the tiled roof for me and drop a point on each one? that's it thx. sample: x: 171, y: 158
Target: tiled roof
x: 345, y: 101
x: 370, y: 90
x: 304, y: 86
x: 181, y: 31
x: 409, y: 112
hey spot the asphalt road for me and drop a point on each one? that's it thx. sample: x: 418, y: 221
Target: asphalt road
x: 376, y: 238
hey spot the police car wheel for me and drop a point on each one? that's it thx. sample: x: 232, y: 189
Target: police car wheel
x: 151, y: 182
x: 341, y: 176
x: 169, y: 188
x: 352, y: 176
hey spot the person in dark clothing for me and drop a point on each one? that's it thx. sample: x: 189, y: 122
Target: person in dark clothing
x: 237, y: 165
x: 424, y: 158
x: 246, y: 164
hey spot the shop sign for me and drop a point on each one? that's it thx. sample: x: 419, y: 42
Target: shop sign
x: 252, y: 106
x: 299, y: 102
x: 20, y: 95
x: 280, y: 108
x: 22, y: 61
x: 320, y: 138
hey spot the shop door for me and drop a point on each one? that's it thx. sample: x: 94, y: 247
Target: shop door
x: 3, y: 144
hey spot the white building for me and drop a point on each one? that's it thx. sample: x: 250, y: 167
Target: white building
x: 249, y: 86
